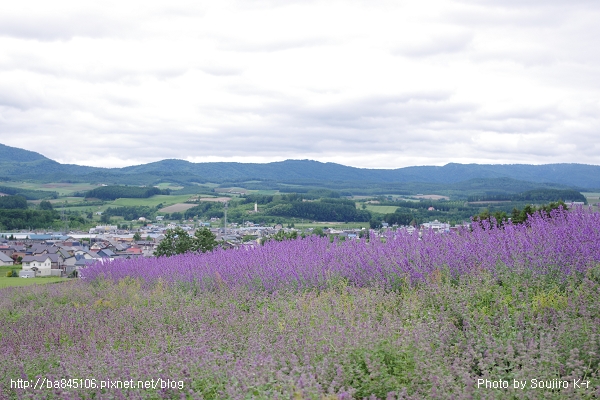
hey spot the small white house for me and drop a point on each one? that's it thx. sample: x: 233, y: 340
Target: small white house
x: 42, y: 263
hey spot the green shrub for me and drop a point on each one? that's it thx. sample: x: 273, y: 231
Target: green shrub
x: 379, y: 371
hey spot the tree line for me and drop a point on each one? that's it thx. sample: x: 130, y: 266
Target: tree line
x: 533, y: 195
x: 13, y: 202
x: 321, y: 211
x: 20, y: 219
x: 117, y: 191
x: 29, y: 194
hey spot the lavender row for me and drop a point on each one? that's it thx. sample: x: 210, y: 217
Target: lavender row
x: 561, y: 244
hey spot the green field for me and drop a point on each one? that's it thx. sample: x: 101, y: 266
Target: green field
x: 57, y: 203
x: 591, y: 195
x: 18, y: 282
x: 382, y: 209
x: 171, y: 186
x: 152, y: 201
x: 265, y: 192
x: 63, y: 189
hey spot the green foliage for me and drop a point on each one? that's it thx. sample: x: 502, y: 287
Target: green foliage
x: 257, y: 198
x: 203, y: 210
x: 401, y: 218
x: 116, y: 192
x: 178, y: 241
x: 324, y: 210
x: 517, y: 216
x: 375, y: 224
x: 46, y: 205
x: 248, y: 238
x: 137, y: 236
x: 532, y: 195
x: 318, y: 231
x: 23, y: 219
x: 281, y: 236
x: 203, y: 240
x: 379, y: 371
x: 28, y: 193
x: 322, y: 193
x: 17, y: 202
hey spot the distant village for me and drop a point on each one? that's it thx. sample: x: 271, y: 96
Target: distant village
x: 65, y: 254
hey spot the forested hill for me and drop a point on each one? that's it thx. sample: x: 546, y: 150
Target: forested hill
x: 22, y: 164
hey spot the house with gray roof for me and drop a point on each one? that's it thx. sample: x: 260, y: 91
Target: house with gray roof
x: 5, y: 260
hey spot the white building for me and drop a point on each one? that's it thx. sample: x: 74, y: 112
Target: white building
x: 436, y: 226
x: 40, y: 263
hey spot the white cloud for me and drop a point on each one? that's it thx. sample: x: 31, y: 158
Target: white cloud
x: 374, y: 84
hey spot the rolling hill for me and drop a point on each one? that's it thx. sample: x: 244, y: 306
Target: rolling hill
x: 19, y: 164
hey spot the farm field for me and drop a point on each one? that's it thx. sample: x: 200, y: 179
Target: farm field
x: 232, y: 190
x: 443, y: 317
x: 179, y: 207
x: 63, y: 189
x: 171, y: 186
x: 152, y: 201
x: 381, y: 209
x: 210, y: 198
x: 592, y: 198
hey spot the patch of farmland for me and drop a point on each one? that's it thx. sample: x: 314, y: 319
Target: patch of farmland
x: 221, y: 199
x: 382, y: 209
x: 177, y: 207
x: 232, y: 190
x: 151, y: 201
x: 432, y: 197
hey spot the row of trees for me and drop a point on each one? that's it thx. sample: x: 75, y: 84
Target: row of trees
x: 116, y: 191
x: 20, y: 219
x: 321, y: 211
x: 550, y: 195
x: 29, y: 194
x: 13, y: 202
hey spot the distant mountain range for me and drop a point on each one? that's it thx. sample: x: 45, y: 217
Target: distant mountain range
x: 19, y: 164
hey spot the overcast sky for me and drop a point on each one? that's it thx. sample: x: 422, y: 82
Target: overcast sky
x: 374, y: 83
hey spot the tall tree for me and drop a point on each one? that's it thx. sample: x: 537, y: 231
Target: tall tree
x: 203, y: 240
x: 178, y: 241
x: 46, y: 205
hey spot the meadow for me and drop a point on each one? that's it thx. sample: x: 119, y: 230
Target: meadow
x: 379, y: 209
x: 152, y: 201
x: 458, y: 316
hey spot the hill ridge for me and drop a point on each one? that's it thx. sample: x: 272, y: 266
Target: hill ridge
x: 17, y: 163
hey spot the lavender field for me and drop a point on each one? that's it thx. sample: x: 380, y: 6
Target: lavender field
x: 511, y: 312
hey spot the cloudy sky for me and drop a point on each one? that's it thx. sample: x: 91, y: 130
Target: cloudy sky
x: 373, y: 83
